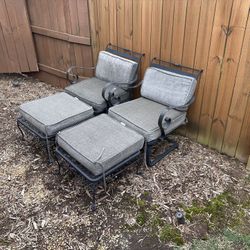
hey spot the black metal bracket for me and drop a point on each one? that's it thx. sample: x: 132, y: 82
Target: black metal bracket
x: 108, y: 92
x: 75, y: 76
x: 177, y: 68
x: 49, y: 141
x: 124, y: 52
x: 166, y: 120
x: 151, y: 160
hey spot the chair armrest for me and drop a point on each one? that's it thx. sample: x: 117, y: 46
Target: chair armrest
x: 163, y: 119
x: 108, y: 92
x: 75, y: 76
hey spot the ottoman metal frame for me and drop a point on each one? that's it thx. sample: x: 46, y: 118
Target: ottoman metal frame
x: 95, y: 180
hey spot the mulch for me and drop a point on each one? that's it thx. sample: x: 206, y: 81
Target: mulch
x: 40, y: 209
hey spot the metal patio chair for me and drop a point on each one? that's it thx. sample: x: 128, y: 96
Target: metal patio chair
x: 104, y: 146
x: 115, y: 76
x: 167, y: 91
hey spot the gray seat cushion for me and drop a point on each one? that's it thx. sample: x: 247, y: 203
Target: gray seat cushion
x: 142, y: 116
x: 54, y: 113
x: 100, y: 143
x: 90, y: 92
x: 168, y: 88
x: 113, y: 68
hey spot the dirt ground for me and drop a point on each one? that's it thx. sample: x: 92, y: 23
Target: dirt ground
x: 40, y: 209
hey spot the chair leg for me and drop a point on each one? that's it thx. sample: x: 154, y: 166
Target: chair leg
x: 93, y: 205
x: 150, y: 160
x: 58, y: 164
x: 50, y: 160
x: 19, y: 127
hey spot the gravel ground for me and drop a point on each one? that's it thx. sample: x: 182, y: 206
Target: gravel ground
x: 40, y: 209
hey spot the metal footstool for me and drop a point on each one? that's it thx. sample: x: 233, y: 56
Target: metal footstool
x: 45, y: 117
x: 99, y: 148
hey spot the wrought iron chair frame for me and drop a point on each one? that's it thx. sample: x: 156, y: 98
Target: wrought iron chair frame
x: 180, y: 69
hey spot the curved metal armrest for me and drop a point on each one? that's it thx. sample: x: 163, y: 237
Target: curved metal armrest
x: 108, y: 92
x: 73, y: 75
x: 163, y: 119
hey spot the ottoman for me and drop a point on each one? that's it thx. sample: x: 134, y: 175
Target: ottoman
x: 45, y: 117
x: 99, y: 146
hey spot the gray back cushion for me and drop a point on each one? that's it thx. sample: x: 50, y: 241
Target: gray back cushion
x: 113, y: 68
x: 167, y: 88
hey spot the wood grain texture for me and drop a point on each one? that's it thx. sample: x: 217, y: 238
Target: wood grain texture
x: 229, y: 69
x: 239, y: 99
x: 190, y: 41
x: 167, y: 29
x: 62, y: 35
x: 201, y: 60
x: 16, y: 42
x: 243, y: 147
x: 214, y: 69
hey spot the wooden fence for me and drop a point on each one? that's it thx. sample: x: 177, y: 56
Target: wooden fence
x: 61, y: 36
x: 213, y: 35
x: 17, y: 52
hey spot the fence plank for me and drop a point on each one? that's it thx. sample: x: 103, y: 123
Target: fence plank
x: 180, y: 10
x: 243, y: 148
x: 190, y: 39
x: 201, y: 59
x: 146, y: 32
x: 167, y: 29
x: 216, y: 55
x: 103, y: 27
x: 94, y: 22
x: 16, y: 39
x: 137, y: 35
x: 230, y: 66
x: 60, y: 35
x: 120, y: 23
x: 155, y: 43
x: 239, y: 99
x: 112, y: 21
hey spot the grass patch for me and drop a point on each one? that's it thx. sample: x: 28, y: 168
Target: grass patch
x: 224, y: 216
x: 142, y: 218
x: 170, y: 233
x: 238, y: 239
x: 149, y: 218
x: 221, y: 211
x: 229, y: 240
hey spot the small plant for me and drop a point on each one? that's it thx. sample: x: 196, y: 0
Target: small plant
x: 170, y: 233
x: 141, y: 203
x: 142, y: 218
x: 218, y: 209
x: 156, y: 222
